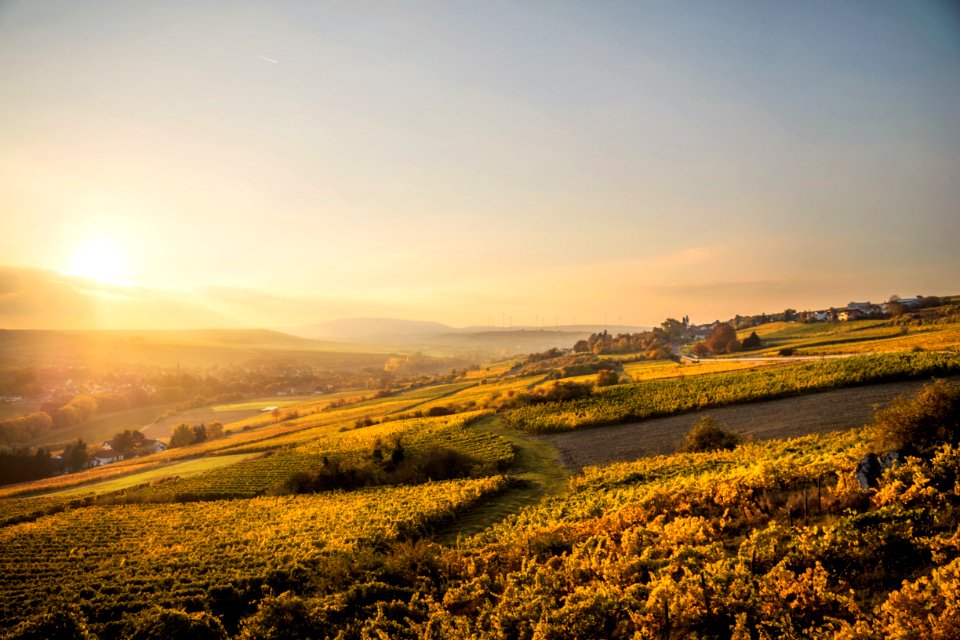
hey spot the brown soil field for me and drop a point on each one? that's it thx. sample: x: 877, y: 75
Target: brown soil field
x: 772, y: 419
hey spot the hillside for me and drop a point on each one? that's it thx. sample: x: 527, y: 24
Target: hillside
x: 169, y: 348
x: 427, y: 512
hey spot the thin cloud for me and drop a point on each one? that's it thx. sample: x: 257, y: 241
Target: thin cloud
x: 270, y: 60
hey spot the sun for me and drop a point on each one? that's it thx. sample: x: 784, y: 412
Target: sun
x: 99, y: 260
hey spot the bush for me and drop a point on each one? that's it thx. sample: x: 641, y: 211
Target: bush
x: 707, y: 436
x: 59, y: 625
x: 286, y: 616
x: 919, y: 423
x: 159, y: 623
x: 606, y: 377
x: 396, y: 465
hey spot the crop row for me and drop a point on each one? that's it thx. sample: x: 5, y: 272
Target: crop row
x: 128, y: 556
x: 654, y: 398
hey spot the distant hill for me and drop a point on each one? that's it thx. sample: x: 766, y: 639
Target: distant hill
x: 370, y: 329
x: 439, y: 339
x: 169, y: 348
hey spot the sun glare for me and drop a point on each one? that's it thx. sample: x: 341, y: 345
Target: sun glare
x: 99, y: 260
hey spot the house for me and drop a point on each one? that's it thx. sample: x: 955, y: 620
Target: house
x: 850, y: 314
x: 152, y: 446
x: 866, y: 308
x: 103, y: 456
x: 701, y: 332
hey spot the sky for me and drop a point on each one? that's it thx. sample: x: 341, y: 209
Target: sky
x: 199, y: 163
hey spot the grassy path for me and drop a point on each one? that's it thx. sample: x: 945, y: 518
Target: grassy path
x: 537, y: 470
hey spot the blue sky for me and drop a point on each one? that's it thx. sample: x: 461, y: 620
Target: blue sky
x: 456, y: 161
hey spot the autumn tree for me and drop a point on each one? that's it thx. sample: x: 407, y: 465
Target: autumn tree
x: 720, y: 338
x: 214, y: 430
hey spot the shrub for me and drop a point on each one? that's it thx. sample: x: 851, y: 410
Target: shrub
x: 159, y: 623
x: 58, y: 625
x: 396, y: 465
x: 286, y: 616
x: 919, y: 423
x: 707, y: 436
x: 606, y: 377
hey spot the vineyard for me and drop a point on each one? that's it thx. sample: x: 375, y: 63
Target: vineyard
x: 125, y: 558
x: 857, y: 336
x: 768, y: 540
x: 661, y: 397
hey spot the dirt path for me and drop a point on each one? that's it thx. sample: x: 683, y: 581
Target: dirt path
x: 786, y: 418
x: 537, y: 466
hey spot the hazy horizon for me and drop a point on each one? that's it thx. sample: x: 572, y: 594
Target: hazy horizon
x: 210, y: 164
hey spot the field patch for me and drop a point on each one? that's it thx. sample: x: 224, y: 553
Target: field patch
x: 183, y: 469
x: 774, y: 419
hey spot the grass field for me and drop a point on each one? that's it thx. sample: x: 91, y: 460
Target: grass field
x: 184, y: 469
x: 102, y: 427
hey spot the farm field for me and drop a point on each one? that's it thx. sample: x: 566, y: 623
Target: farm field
x: 772, y: 419
x: 184, y: 469
x: 624, y: 403
x: 657, y: 369
x: 169, y: 553
x: 102, y: 427
x: 858, y: 336
x: 606, y: 520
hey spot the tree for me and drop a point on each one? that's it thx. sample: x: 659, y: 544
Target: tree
x: 214, y: 430
x: 721, y: 336
x: 65, y: 416
x: 675, y: 329
x: 752, y: 342
x: 182, y: 436
x: 127, y: 443
x: 700, y: 350
x: 75, y: 456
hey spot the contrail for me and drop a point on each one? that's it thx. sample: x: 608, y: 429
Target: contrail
x: 270, y: 60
